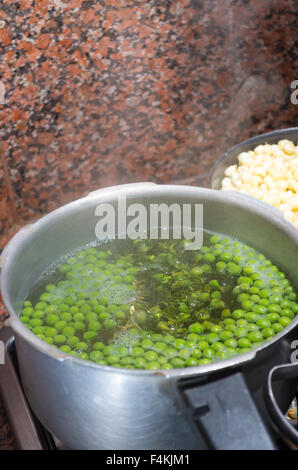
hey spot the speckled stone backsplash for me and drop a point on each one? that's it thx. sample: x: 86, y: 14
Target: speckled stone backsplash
x: 101, y: 92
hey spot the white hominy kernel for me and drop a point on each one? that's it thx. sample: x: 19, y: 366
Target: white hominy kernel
x: 231, y: 170
x: 226, y: 183
x: 287, y: 146
x: 260, y: 149
x: 245, y: 158
x: 267, y: 149
x: 256, y: 180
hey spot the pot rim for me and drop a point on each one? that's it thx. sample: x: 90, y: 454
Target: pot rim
x: 20, y: 239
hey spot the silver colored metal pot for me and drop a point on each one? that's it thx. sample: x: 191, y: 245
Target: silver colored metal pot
x: 89, y: 406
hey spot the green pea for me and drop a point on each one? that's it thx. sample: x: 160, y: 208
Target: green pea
x: 147, y: 344
x: 209, y: 257
x: 241, y: 332
x: 153, y: 365
x: 94, y: 326
x: 247, y: 305
x: 60, y: 325
x: 275, y: 299
x: 263, y: 323
x: 184, y: 353
x: 288, y: 313
x: 264, y: 293
x: 234, y: 268
x: 96, y: 355
x: 260, y: 309
x: 35, y: 322
x: 40, y: 306
x: 244, y: 343
x: 170, y: 353
x: 65, y: 348
x: 49, y: 340
x: 79, y: 326
x: 177, y: 362
x: 24, y: 319
x: 73, y: 340
x: 137, y: 351
x: 38, y: 330
x: 69, y: 331
x: 52, y: 319
x: 284, y: 321
x: 212, y: 338
x: 242, y: 297
x: 50, y: 331
x: 191, y: 337
x: 196, y: 328
x: 221, y: 266
x: 81, y: 346
x: 226, y: 257
x: 237, y: 314
x: 245, y: 280
x: 112, y: 359
x: 221, y: 354
x: 214, y: 284
x: 202, y: 345
x: 242, y: 322
x: 109, y: 324
x: 140, y: 363
x: 128, y: 360
x: 274, y: 308
x: 204, y: 361
x: 66, y: 316
x: 231, y: 343
x: 268, y: 332
x: 89, y: 335
x: 98, y: 346
x: 226, y: 313
x: 191, y: 362
x: 79, y: 317
x: 226, y: 334
x: 197, y: 353
x: 208, y: 353
x: 103, y: 301
x: 159, y: 346
x: 180, y: 343
x: 214, y: 239
x: 294, y: 307
x: 273, y: 317
x: 59, y: 339
x: 152, y: 355
x: 255, y: 336
x: 217, y: 346
x: 45, y: 297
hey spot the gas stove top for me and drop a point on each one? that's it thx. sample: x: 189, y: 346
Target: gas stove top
x: 29, y: 433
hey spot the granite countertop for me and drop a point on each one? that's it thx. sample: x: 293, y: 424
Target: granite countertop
x: 102, y: 92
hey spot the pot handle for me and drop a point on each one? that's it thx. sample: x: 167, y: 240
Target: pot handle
x: 289, y: 373
x: 18, y: 235
x: 225, y: 414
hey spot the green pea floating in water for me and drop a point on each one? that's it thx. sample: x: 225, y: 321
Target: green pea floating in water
x: 150, y: 304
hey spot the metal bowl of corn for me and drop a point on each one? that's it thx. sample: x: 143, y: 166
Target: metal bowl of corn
x: 264, y: 167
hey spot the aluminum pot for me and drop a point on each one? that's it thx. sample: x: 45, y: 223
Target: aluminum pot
x: 89, y: 406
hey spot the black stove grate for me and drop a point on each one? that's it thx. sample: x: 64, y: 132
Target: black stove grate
x: 29, y: 433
